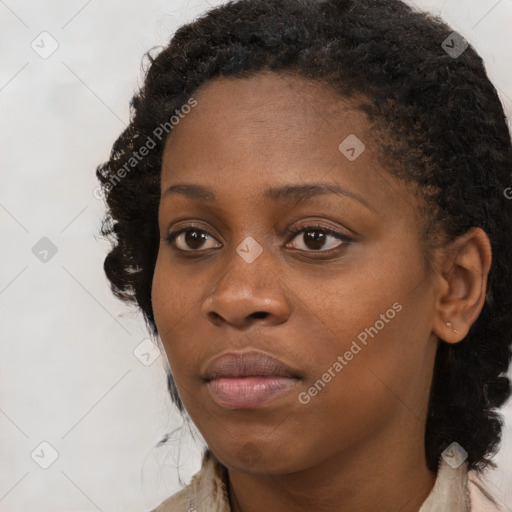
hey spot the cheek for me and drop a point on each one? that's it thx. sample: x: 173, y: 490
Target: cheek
x: 172, y: 298
x: 161, y: 296
x: 370, y: 378
x: 377, y: 319
x: 178, y: 298
x: 173, y: 305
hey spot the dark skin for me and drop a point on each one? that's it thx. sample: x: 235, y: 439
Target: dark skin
x: 359, y: 443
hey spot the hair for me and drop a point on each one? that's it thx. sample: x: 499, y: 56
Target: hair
x: 439, y: 125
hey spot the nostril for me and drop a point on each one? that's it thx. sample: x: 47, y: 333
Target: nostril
x: 260, y: 314
x: 214, y: 316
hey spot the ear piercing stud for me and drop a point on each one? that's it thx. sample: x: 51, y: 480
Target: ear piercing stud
x: 454, y: 330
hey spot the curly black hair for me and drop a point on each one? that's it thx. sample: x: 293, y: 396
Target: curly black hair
x: 439, y: 124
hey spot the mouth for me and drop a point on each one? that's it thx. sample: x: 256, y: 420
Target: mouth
x: 246, y: 380
x: 248, y: 392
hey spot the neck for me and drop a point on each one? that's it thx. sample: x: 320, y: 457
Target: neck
x: 381, y: 474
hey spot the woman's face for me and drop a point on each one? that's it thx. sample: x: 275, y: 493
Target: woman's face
x: 350, y: 312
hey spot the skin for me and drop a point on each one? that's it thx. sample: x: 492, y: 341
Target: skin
x: 359, y: 443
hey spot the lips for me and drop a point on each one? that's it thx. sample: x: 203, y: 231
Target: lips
x: 247, y: 364
x: 244, y: 380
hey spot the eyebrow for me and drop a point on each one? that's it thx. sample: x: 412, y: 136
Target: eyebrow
x: 280, y: 195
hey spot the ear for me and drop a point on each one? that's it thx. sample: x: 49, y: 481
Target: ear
x: 461, y: 284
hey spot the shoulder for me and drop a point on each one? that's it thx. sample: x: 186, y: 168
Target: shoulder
x: 484, y: 495
x: 207, y: 490
x: 458, y: 489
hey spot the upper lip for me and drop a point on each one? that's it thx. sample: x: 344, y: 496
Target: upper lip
x: 247, y: 364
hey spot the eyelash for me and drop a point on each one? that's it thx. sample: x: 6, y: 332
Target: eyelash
x: 293, y: 232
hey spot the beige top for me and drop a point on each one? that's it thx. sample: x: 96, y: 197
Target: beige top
x: 207, y: 491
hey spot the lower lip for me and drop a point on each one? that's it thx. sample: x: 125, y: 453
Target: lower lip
x: 248, y: 392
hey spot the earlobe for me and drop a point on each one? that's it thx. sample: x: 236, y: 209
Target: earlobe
x: 462, y: 284
x: 454, y: 330
x: 448, y: 333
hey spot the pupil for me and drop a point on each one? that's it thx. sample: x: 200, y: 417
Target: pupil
x: 318, y: 241
x: 192, y: 237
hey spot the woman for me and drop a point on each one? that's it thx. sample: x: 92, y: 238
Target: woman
x: 308, y: 207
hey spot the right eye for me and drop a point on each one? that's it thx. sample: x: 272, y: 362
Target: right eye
x: 190, y: 236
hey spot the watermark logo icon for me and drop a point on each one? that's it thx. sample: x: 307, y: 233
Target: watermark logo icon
x: 351, y: 147
x: 249, y: 249
x: 146, y: 352
x: 44, y: 455
x: 249, y: 454
x: 98, y: 193
x: 454, y: 45
x: 44, y: 250
x: 44, y: 45
x: 454, y: 455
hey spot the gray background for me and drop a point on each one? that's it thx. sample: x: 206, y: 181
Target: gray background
x: 69, y: 375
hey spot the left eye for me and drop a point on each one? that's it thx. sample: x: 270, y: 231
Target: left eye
x: 190, y: 237
x: 315, y: 237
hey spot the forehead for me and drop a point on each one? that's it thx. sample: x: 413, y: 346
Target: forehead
x: 248, y: 134
x: 269, y: 101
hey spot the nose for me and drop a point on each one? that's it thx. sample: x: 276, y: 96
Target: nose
x: 244, y: 293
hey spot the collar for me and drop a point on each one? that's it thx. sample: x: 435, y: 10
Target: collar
x: 450, y: 491
x: 208, y: 490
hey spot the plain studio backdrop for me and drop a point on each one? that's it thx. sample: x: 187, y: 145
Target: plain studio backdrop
x: 82, y: 404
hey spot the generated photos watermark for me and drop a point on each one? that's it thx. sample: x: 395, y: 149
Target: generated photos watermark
x: 305, y: 397
x: 160, y: 132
